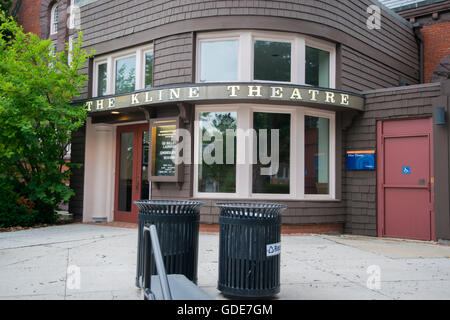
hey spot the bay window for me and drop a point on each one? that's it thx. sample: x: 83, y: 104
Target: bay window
x: 257, y: 56
x: 123, y: 72
x: 264, y: 152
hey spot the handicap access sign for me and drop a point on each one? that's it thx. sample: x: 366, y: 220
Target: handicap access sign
x: 406, y: 170
x: 273, y: 249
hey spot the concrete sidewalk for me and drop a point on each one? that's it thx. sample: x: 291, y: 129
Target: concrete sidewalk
x: 38, y: 264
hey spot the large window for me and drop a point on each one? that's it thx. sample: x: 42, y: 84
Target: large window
x: 219, y: 60
x: 270, y: 127
x: 272, y: 61
x: 123, y: 72
x: 125, y: 78
x: 252, y: 56
x: 317, y: 67
x: 264, y: 152
x: 215, y: 173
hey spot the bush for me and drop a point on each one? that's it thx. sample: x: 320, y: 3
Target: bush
x: 18, y: 209
x: 37, y: 119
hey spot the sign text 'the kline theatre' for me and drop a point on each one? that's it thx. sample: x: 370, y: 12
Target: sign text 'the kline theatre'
x: 212, y: 92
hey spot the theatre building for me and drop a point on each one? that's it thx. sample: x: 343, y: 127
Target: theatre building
x: 363, y: 141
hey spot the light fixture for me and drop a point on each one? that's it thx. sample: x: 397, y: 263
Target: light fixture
x: 115, y: 112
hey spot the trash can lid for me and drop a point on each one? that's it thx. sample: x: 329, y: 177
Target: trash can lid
x: 165, y: 204
x: 251, y: 209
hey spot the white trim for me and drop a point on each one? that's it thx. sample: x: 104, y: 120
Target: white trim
x: 244, y: 149
x: 246, y: 40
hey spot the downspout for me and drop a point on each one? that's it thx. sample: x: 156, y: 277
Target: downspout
x: 419, y: 39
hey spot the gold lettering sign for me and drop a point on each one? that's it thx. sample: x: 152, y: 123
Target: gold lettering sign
x: 212, y: 92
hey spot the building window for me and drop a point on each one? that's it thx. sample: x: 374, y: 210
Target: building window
x: 264, y: 152
x: 317, y: 67
x: 218, y: 61
x: 215, y: 174
x: 247, y: 56
x: 279, y: 182
x: 125, y: 78
x: 148, y: 69
x: 54, y: 19
x: 123, y: 72
x: 272, y: 61
x: 102, y: 79
x: 317, y: 155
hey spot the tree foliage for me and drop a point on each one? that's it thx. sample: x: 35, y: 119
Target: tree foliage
x: 36, y: 123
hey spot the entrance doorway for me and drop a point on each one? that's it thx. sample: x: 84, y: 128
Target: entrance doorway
x: 405, y: 179
x: 131, y: 171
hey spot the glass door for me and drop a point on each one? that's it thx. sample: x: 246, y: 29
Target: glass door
x: 131, y: 170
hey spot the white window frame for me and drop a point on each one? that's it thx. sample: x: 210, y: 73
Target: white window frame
x: 144, y: 63
x: 217, y: 36
x: 54, y: 16
x: 325, y: 46
x: 275, y: 37
x: 246, y: 40
x: 244, y: 147
x: 111, y: 60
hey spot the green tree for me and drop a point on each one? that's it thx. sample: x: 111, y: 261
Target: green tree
x: 36, y: 123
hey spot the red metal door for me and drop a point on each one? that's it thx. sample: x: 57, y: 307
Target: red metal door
x: 405, y: 179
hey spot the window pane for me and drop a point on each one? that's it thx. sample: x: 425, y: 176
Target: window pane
x: 317, y: 158
x: 217, y: 169
x: 145, y: 186
x: 317, y: 67
x: 219, y: 61
x: 279, y: 181
x: 125, y: 75
x: 148, y: 69
x: 126, y: 171
x: 272, y: 61
x: 101, y: 79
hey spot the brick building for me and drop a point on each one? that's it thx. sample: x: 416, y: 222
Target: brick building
x: 433, y: 19
x: 364, y: 146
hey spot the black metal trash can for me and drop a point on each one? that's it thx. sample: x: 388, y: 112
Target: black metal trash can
x: 249, y: 249
x: 177, y: 223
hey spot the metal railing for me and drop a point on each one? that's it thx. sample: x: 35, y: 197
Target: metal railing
x: 152, y: 247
